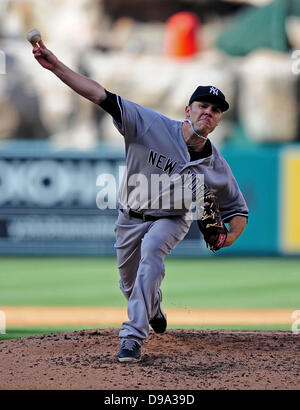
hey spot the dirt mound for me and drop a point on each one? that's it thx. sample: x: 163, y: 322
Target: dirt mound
x: 179, y: 359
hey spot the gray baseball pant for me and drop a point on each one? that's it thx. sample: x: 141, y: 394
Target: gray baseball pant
x: 141, y: 249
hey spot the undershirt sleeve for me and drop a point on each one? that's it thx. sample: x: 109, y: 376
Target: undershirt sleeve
x: 113, y: 105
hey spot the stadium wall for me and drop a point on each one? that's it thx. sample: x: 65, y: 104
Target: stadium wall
x: 48, y: 201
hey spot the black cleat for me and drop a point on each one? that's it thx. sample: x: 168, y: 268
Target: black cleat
x: 159, y: 322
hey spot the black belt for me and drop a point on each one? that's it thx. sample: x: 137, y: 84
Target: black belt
x: 144, y: 217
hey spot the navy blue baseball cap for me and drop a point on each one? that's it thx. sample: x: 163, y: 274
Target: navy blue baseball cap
x: 211, y: 94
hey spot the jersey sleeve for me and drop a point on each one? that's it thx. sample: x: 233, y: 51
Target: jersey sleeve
x: 132, y: 120
x: 113, y: 105
x: 231, y: 200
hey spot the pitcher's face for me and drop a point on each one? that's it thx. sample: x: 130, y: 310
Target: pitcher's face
x: 205, y: 116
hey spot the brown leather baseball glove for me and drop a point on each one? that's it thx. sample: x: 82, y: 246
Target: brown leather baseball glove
x: 211, y: 225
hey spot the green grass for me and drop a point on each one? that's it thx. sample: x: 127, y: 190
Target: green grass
x: 234, y: 283
x: 15, y: 332
x: 199, y: 283
x: 59, y: 282
x: 241, y: 283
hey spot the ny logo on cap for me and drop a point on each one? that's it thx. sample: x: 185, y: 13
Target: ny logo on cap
x: 214, y: 91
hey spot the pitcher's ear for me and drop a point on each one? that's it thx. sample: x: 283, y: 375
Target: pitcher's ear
x: 187, y: 111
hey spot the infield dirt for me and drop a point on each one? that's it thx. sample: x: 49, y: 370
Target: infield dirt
x: 178, y: 359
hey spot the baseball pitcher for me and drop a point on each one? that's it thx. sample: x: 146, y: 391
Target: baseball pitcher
x: 149, y: 226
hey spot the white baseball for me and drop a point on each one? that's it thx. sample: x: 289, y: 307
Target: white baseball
x: 33, y: 36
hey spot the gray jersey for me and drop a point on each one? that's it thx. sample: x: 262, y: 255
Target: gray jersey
x: 155, y: 146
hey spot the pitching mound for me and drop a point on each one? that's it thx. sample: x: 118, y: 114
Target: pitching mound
x: 179, y: 359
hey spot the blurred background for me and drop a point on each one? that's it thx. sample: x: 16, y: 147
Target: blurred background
x: 54, y: 144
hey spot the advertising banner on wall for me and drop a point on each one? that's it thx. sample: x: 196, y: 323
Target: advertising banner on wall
x: 48, y: 200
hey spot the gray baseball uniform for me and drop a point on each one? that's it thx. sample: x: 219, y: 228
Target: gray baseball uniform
x: 155, y: 146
